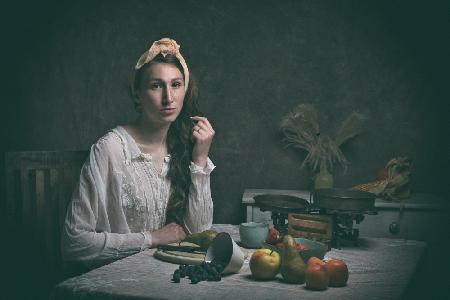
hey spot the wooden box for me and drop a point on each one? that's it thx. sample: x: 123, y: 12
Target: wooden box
x: 313, y: 227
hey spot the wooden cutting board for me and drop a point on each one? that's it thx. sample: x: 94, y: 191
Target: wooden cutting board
x: 183, y: 257
x: 180, y: 257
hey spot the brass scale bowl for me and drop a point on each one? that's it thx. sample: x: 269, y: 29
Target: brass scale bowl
x: 344, y: 206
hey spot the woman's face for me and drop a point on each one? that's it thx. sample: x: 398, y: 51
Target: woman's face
x: 161, y: 93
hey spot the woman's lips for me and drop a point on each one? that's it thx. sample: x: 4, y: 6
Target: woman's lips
x: 168, y: 110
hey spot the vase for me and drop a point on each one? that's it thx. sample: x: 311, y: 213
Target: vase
x: 323, y: 179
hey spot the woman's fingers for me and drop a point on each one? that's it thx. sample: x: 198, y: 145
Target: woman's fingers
x: 170, y: 233
x: 203, y: 121
x: 176, y: 231
x: 202, y: 134
x: 180, y: 233
x: 202, y: 126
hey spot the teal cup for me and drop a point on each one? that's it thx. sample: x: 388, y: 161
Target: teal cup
x: 253, y: 234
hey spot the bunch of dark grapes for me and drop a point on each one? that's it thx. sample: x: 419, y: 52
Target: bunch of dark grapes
x: 209, y: 271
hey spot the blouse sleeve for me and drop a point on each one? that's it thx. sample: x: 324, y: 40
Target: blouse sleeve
x: 200, y: 208
x: 83, y: 239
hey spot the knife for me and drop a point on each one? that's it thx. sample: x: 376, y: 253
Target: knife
x: 180, y: 248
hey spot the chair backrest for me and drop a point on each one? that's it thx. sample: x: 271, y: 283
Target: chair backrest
x: 39, y: 185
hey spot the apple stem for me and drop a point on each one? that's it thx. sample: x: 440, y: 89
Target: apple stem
x: 271, y: 252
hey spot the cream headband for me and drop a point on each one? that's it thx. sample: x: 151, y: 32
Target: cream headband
x: 164, y: 46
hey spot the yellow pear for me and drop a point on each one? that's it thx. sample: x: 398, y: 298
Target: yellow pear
x: 293, y: 267
x: 203, y: 239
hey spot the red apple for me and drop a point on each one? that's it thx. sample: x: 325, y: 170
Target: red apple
x: 338, y: 272
x: 301, y: 247
x: 265, y: 264
x: 273, y: 236
x: 315, y: 261
x: 316, y: 277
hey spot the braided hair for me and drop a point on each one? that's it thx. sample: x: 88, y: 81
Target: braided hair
x: 179, y: 143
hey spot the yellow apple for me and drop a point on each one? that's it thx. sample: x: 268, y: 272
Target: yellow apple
x: 265, y: 264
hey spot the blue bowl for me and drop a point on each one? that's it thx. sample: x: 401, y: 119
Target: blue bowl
x: 313, y: 248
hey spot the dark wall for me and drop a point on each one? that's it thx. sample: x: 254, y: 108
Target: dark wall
x: 68, y: 66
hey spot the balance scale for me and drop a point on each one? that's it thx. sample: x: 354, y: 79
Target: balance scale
x: 328, y: 217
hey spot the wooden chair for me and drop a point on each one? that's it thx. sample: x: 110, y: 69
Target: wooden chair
x: 39, y: 185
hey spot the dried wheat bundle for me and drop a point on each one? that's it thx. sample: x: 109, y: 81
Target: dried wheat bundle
x: 351, y: 127
x: 301, y: 126
x: 301, y: 130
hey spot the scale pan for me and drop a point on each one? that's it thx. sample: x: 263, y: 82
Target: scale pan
x: 343, y: 199
x: 281, y: 203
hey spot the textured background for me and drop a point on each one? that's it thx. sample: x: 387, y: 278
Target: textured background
x: 65, y: 68
x: 67, y: 65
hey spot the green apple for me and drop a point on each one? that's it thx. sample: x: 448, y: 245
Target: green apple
x: 265, y: 264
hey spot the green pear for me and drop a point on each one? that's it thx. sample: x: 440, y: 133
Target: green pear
x: 293, y: 267
x: 203, y: 239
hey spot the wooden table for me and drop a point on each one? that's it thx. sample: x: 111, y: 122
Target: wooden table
x: 379, y: 268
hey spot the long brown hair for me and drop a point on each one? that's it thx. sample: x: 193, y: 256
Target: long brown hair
x: 179, y: 143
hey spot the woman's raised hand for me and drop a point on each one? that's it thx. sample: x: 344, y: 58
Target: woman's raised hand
x: 202, y: 134
x: 171, y: 233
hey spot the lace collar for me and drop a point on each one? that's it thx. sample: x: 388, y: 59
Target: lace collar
x: 131, y: 149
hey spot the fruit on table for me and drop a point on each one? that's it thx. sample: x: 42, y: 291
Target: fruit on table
x: 299, y: 246
x: 292, y: 265
x: 315, y: 261
x: 209, y: 271
x: 316, y: 277
x: 338, y: 272
x: 273, y: 236
x: 265, y: 264
x: 203, y: 239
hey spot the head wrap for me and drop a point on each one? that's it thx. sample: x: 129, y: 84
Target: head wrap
x: 164, y: 46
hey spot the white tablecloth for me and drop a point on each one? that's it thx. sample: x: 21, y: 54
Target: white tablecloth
x: 379, y: 269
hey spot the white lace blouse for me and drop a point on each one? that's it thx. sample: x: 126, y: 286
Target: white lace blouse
x: 120, y: 196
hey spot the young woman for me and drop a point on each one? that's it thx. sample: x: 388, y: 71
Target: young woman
x: 146, y: 183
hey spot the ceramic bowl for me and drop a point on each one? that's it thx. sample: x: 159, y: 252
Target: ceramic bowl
x: 253, y: 234
x: 225, y: 251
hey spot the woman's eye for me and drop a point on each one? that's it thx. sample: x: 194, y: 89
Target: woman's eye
x: 155, y: 86
x: 176, y: 84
